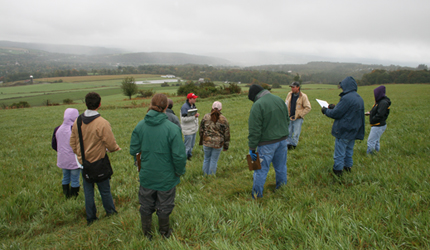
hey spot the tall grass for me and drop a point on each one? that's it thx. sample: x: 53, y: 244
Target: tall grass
x: 382, y: 204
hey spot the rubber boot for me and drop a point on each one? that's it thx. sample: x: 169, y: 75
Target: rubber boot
x: 146, y: 225
x: 164, y: 225
x: 66, y: 191
x: 338, y: 173
x: 74, y: 192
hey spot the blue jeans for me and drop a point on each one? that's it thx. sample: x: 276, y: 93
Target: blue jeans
x: 275, y: 153
x: 374, y: 138
x: 211, y: 159
x: 71, y: 175
x: 343, y: 151
x: 189, y: 141
x: 90, y: 205
x: 294, y: 130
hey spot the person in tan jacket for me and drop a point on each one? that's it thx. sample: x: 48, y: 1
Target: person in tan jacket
x: 98, y: 140
x: 298, y: 106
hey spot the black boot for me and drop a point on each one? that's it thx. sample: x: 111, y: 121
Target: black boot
x: 338, y: 173
x: 146, y: 225
x: 347, y: 169
x: 164, y: 225
x: 74, y: 192
x: 66, y: 191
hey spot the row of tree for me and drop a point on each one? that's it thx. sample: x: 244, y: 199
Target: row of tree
x: 399, y: 76
x: 247, y: 75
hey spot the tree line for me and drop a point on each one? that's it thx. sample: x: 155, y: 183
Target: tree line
x: 380, y: 76
x: 229, y: 74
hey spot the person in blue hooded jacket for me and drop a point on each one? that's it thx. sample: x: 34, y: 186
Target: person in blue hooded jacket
x: 348, y: 124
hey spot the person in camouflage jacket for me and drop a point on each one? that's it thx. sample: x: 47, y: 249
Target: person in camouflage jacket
x: 214, y: 134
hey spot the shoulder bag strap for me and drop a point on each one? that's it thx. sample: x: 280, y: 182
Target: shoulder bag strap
x: 81, y: 141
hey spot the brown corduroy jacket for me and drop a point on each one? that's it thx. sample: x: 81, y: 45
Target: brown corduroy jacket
x: 303, y: 106
x: 97, y: 136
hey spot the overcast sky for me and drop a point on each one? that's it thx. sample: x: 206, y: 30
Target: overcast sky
x: 389, y: 31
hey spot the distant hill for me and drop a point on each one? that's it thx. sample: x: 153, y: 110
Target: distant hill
x: 63, y: 49
x: 84, y: 57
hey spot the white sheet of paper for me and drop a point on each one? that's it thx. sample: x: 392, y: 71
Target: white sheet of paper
x: 322, y: 103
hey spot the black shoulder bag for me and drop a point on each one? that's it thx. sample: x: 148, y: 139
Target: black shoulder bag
x: 97, y: 171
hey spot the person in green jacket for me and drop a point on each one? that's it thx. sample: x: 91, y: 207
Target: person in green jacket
x: 268, y: 130
x: 163, y: 160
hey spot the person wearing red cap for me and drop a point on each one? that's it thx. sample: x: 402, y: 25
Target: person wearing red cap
x: 189, y: 124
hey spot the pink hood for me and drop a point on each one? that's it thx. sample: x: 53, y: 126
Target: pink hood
x: 65, y: 156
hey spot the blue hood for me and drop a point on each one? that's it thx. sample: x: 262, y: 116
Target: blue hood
x: 348, y: 84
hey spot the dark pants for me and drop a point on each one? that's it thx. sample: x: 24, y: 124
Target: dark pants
x: 152, y: 200
x: 90, y: 206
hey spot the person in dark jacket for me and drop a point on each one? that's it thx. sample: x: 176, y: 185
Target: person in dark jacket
x: 171, y: 115
x: 268, y: 130
x: 163, y: 161
x: 348, y: 124
x: 378, y: 117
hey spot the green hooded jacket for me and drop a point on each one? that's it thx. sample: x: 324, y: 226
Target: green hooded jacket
x: 163, y: 156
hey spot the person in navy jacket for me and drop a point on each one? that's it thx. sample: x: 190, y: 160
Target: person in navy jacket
x: 348, y: 124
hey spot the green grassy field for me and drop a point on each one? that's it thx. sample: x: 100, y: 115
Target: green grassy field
x: 382, y: 204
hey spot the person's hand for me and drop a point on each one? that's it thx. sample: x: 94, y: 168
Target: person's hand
x: 197, y: 115
x: 367, y: 113
x: 292, y: 118
x: 323, y: 109
x: 253, y: 155
x: 331, y: 106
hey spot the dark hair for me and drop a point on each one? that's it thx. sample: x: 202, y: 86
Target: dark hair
x: 170, y: 101
x: 92, y: 100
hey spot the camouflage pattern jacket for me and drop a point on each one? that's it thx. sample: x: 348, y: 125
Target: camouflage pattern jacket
x: 215, y: 135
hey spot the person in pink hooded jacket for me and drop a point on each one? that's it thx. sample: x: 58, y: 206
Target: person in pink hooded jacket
x: 66, y: 158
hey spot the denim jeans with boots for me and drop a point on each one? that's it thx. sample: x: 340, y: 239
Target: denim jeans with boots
x: 343, y: 151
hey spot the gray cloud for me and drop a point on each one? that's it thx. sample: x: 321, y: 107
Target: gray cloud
x: 383, y: 30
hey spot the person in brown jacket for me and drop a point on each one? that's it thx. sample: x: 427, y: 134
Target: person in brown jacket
x: 98, y: 140
x: 298, y: 106
x: 214, y: 132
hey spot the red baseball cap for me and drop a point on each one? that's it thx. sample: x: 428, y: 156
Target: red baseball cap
x: 191, y: 96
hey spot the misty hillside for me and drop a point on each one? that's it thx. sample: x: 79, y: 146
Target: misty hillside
x: 87, y: 57
x: 136, y: 59
x: 63, y: 49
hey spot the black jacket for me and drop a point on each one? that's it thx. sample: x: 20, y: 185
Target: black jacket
x: 380, y: 112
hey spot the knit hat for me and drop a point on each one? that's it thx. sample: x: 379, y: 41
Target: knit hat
x: 217, y: 105
x: 253, y: 91
x: 158, y: 102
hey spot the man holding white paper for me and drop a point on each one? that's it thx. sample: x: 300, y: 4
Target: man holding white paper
x: 348, y: 124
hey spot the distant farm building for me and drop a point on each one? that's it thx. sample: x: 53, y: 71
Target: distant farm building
x: 168, y: 76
